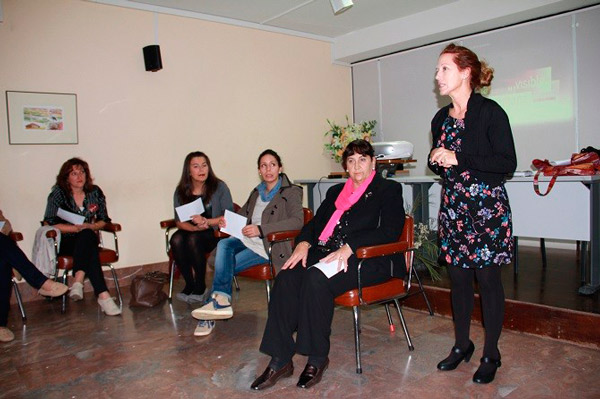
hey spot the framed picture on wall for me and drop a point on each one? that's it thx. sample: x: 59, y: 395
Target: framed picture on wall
x: 41, y: 118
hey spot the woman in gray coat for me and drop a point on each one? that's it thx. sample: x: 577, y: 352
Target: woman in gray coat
x: 274, y: 205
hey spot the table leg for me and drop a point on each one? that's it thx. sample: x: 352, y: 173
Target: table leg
x: 594, y: 284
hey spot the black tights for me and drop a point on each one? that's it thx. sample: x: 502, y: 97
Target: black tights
x: 189, y: 250
x: 492, y: 305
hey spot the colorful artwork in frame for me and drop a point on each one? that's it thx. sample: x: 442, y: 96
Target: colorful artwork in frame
x: 41, y: 118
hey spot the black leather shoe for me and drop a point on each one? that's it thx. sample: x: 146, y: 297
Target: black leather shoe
x: 311, y: 375
x: 487, y: 370
x: 456, y: 356
x: 269, y: 377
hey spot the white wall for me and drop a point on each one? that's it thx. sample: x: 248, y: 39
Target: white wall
x: 228, y: 91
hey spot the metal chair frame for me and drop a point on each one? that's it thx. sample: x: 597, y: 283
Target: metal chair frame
x: 16, y: 236
x: 111, y: 228
x: 402, y: 246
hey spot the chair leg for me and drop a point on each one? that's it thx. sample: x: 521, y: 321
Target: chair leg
x: 404, y: 327
x: 235, y: 282
x: 268, y: 284
x: 389, y: 316
x: 171, y: 276
x: 423, y: 292
x: 117, y: 287
x: 63, y: 308
x: 19, y: 299
x: 356, y: 314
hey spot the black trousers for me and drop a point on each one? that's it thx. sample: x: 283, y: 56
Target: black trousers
x: 83, y: 247
x: 189, y: 250
x: 303, y: 300
x: 11, y: 257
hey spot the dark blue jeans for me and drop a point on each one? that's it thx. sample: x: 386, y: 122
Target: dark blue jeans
x: 11, y: 257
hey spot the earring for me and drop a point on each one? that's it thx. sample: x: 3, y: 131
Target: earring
x: 346, y: 170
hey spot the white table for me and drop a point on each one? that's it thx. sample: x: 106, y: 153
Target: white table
x: 571, y: 211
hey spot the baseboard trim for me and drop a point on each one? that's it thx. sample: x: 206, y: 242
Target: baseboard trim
x: 531, y: 318
x: 125, y: 275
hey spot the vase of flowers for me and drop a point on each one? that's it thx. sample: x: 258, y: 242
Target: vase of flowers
x: 341, y: 136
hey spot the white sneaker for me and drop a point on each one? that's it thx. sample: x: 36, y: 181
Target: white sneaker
x: 204, y: 328
x: 76, y: 293
x: 217, y: 308
x: 109, y: 307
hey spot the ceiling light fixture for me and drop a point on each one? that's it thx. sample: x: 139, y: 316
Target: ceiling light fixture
x: 339, y: 6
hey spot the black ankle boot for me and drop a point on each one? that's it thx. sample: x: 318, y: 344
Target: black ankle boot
x: 456, y: 356
x: 487, y: 370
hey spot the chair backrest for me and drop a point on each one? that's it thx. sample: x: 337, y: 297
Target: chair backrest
x: 408, y: 235
x: 308, y: 215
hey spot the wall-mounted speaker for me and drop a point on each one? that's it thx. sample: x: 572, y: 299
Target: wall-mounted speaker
x: 152, y: 58
x: 339, y: 6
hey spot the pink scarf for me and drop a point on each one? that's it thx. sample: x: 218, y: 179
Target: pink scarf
x: 344, y: 201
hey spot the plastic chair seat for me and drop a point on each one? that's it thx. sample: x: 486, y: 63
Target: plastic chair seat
x: 258, y: 272
x: 376, y: 293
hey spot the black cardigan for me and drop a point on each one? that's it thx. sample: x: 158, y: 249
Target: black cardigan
x: 376, y: 218
x: 488, y: 148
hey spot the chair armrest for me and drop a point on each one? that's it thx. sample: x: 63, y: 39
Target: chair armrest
x: 220, y: 234
x: 168, y: 224
x: 51, y: 233
x: 381, y: 250
x: 16, y: 236
x: 282, y: 235
x: 112, y: 227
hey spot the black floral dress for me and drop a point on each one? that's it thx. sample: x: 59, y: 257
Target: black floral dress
x: 475, y: 228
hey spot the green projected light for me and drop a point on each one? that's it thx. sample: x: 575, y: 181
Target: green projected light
x: 534, y: 99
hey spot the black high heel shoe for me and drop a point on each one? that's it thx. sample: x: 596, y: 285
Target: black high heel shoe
x: 456, y: 356
x: 485, y: 374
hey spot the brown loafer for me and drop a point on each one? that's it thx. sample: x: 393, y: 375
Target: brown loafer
x: 269, y: 377
x: 311, y: 375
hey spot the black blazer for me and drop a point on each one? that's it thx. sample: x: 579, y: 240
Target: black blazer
x: 488, y: 148
x: 376, y: 218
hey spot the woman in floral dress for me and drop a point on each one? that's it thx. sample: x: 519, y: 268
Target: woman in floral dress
x: 473, y: 151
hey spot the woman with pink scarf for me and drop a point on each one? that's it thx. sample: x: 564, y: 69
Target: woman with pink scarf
x: 366, y: 210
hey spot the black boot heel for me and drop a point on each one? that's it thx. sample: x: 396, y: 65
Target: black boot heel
x: 456, y: 356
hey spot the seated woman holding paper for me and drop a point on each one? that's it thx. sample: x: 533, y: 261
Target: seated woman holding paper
x: 206, y: 197
x: 77, y: 208
x: 274, y: 205
x: 366, y: 210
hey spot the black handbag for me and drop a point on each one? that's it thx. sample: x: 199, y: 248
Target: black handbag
x: 147, y: 290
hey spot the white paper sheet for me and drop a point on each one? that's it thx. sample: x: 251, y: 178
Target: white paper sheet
x: 185, y: 212
x: 234, y: 224
x: 329, y: 269
x: 70, y: 216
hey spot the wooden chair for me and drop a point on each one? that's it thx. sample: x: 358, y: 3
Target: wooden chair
x: 394, y: 290
x: 107, y: 258
x: 266, y: 271
x: 170, y: 225
x: 16, y: 236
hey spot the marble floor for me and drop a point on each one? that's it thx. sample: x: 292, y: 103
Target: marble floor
x: 151, y: 353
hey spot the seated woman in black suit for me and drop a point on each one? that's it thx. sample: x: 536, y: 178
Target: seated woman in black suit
x: 366, y: 210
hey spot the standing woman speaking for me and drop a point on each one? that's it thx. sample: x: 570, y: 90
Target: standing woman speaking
x: 473, y: 151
